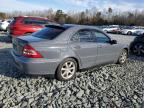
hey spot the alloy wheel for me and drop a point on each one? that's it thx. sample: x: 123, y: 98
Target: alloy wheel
x: 138, y: 49
x: 68, y: 70
x: 123, y: 57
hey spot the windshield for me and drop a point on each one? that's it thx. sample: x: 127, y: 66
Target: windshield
x: 48, y: 33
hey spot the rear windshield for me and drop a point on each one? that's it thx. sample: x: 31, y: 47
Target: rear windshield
x: 48, y: 33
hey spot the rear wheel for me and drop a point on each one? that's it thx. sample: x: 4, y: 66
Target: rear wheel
x: 129, y: 33
x: 66, y: 70
x: 138, y: 49
x: 123, y: 57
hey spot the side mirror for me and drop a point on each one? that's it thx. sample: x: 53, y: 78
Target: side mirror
x: 113, y: 41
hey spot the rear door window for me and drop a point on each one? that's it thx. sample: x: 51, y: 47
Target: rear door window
x: 48, y: 33
x: 84, y: 35
x: 100, y: 37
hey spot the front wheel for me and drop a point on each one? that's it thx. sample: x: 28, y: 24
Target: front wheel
x: 123, y: 57
x: 66, y: 70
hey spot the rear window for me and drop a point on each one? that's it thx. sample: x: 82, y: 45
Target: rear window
x: 48, y: 33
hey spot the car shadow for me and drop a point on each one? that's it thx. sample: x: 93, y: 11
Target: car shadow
x: 5, y: 39
x: 7, y: 65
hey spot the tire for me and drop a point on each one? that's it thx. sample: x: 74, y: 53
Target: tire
x: 138, y: 48
x: 123, y: 57
x: 129, y: 33
x: 66, y: 70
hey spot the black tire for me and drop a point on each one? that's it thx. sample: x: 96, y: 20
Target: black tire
x: 123, y: 57
x: 138, y: 49
x: 129, y: 33
x: 59, y: 71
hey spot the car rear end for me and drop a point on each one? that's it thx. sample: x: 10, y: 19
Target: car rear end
x: 37, y: 54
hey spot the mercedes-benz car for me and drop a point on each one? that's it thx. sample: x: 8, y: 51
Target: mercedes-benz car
x: 63, y: 50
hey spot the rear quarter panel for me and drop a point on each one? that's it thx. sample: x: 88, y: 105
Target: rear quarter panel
x: 55, y: 51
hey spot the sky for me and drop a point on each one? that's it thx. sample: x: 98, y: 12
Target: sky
x: 69, y: 5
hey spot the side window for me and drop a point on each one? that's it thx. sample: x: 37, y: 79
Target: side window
x: 34, y: 21
x: 27, y: 21
x: 100, y: 37
x: 82, y: 36
x: 75, y: 38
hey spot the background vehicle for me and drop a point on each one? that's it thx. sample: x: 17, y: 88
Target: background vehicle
x: 112, y: 29
x: 62, y: 50
x: 137, y: 46
x: 139, y: 33
x: 24, y: 25
x: 131, y: 31
x: 4, y: 24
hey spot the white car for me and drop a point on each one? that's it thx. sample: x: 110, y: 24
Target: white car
x: 4, y: 24
x: 131, y: 31
x: 111, y: 30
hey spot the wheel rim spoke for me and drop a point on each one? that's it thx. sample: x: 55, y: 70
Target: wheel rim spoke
x: 71, y: 64
x: 63, y: 69
x: 68, y: 69
x: 138, y: 49
x: 123, y: 57
x: 66, y: 64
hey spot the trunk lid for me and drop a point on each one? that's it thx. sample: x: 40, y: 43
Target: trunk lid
x: 20, y: 42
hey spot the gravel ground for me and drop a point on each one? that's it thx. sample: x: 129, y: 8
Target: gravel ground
x: 111, y: 86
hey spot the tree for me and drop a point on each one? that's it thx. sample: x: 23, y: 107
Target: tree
x: 60, y: 16
x: 50, y: 14
x: 89, y: 17
x: 110, y: 10
x: 82, y: 18
x: 109, y: 14
x: 2, y: 15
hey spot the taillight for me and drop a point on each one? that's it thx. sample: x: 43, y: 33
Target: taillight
x: 30, y: 52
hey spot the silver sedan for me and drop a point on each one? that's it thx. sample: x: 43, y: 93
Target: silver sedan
x: 63, y: 50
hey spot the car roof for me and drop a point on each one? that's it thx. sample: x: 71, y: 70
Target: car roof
x: 67, y: 26
x: 37, y: 17
x: 69, y: 30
